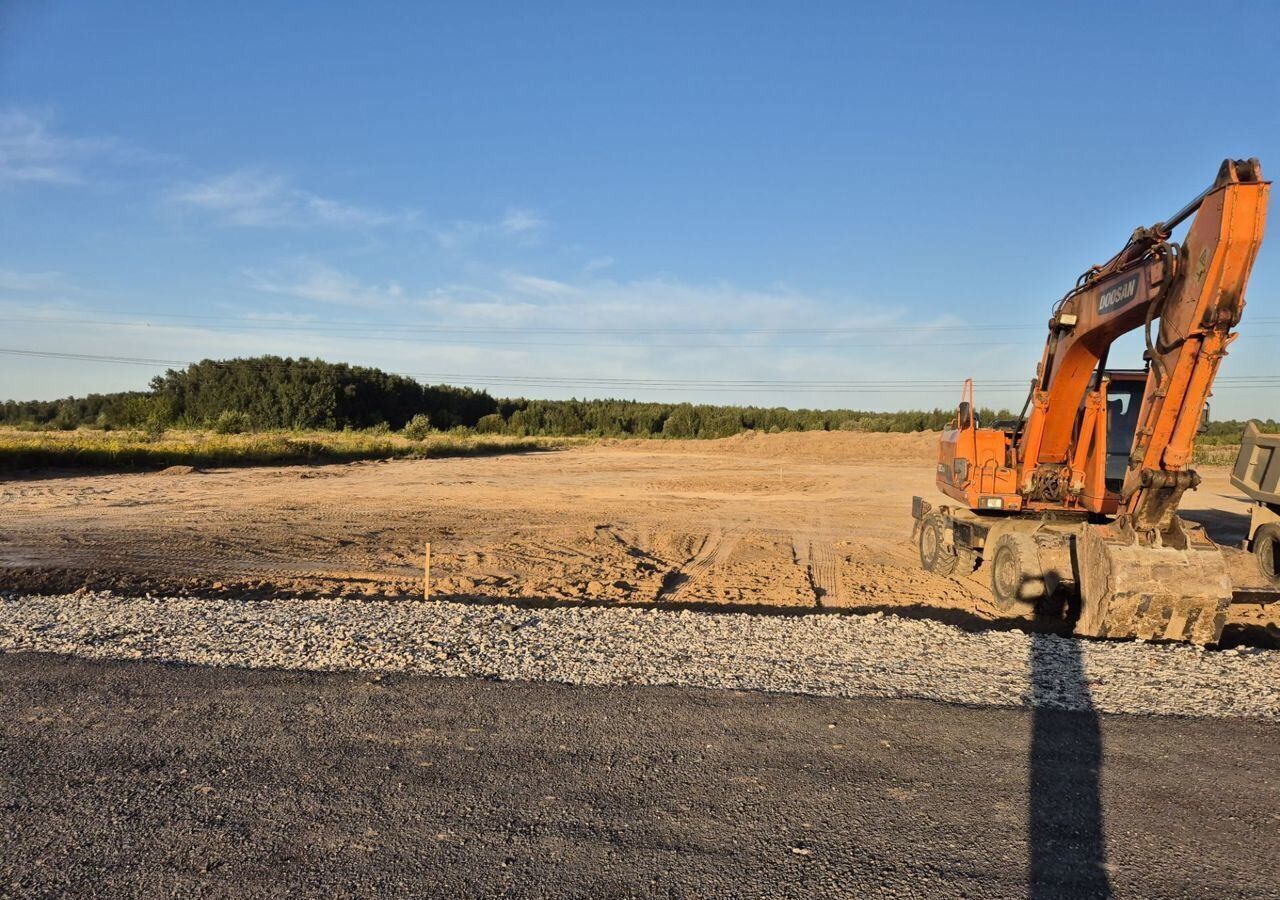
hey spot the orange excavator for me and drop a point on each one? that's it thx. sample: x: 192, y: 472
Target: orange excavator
x: 1073, y: 506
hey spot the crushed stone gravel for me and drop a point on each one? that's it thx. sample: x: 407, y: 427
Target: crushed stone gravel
x: 827, y: 655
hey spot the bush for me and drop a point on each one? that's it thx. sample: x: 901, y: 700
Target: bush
x: 380, y: 428
x: 232, y: 422
x: 124, y: 450
x: 418, y: 427
x: 491, y: 424
x: 64, y: 421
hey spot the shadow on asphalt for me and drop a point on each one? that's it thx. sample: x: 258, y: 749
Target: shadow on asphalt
x: 1068, y: 851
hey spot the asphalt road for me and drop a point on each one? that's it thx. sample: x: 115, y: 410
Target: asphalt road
x: 137, y: 779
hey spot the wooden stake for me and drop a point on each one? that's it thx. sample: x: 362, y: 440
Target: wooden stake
x: 426, y: 575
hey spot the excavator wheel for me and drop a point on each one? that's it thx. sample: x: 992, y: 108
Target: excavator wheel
x: 1017, y: 581
x: 1266, y: 547
x: 935, y: 555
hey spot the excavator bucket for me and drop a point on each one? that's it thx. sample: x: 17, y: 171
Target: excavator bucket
x: 1129, y: 590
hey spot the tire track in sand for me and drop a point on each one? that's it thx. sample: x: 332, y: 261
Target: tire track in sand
x: 718, y: 546
x: 815, y: 553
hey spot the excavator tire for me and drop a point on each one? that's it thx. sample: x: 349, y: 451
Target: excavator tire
x: 1266, y: 547
x: 935, y: 555
x: 1128, y: 590
x: 1017, y: 580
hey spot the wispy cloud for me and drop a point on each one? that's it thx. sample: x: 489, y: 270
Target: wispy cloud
x: 317, y: 283
x: 592, y: 301
x: 505, y: 325
x: 516, y: 299
x: 516, y: 223
x: 31, y: 282
x: 32, y: 151
x: 537, y: 285
x: 259, y: 198
x: 521, y: 221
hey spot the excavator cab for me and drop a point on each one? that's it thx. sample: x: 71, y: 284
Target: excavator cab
x: 977, y: 462
x: 1124, y: 400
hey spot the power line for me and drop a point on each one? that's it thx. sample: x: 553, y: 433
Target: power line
x: 428, y: 327
x: 780, y: 386
x: 142, y: 318
x: 405, y: 335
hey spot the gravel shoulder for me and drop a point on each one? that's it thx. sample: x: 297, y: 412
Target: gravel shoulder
x: 879, y: 656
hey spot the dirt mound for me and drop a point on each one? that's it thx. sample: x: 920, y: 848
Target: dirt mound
x: 177, y: 470
x: 833, y: 446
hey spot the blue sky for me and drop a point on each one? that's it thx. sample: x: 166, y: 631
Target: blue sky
x: 586, y: 199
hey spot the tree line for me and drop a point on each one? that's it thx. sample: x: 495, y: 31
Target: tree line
x: 271, y: 393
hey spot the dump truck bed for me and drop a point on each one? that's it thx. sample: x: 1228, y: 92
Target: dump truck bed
x: 1257, y: 470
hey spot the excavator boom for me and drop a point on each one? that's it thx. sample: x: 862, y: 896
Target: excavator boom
x: 1196, y: 290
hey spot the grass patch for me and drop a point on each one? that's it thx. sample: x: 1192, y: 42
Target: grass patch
x: 24, y: 449
x: 139, y: 450
x: 1215, y: 454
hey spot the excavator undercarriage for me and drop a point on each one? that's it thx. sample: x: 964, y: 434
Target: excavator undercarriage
x: 1072, y: 508
x: 1102, y: 580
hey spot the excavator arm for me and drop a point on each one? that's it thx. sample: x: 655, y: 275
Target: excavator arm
x: 1205, y: 302
x: 1196, y: 291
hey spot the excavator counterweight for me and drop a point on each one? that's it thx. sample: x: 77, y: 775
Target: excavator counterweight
x: 1073, y: 506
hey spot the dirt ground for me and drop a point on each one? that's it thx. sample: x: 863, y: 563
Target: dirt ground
x: 784, y: 521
